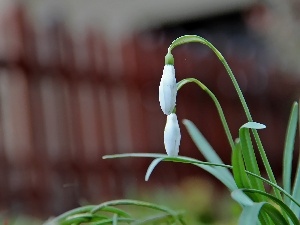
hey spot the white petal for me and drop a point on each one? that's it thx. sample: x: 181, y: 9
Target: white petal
x: 172, y: 135
x: 168, y: 90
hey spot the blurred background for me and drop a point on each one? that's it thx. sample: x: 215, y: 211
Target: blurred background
x: 79, y: 80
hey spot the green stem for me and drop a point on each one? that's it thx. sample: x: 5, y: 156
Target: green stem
x: 217, y: 103
x: 195, y: 38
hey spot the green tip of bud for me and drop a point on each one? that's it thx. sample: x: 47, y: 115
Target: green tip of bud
x: 174, y: 110
x: 169, y: 59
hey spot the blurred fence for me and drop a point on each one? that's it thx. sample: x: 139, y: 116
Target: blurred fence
x: 65, y: 101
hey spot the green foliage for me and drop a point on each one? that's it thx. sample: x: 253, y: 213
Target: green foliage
x: 110, y: 213
x: 248, y: 155
x: 204, y: 203
x: 221, y: 173
x: 288, y: 151
x: 238, y: 167
x: 242, y: 178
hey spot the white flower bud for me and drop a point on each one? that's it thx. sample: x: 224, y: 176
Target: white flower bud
x: 168, y: 89
x: 172, y: 135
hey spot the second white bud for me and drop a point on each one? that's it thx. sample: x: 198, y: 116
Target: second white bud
x: 172, y: 135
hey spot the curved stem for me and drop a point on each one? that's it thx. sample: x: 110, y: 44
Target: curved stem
x: 215, y: 100
x: 195, y: 38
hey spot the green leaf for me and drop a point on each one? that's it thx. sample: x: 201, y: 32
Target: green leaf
x: 154, y: 219
x: 254, y: 125
x: 212, y: 168
x: 216, y: 173
x: 182, y: 159
x: 239, y: 196
x: 151, y: 167
x: 202, y: 144
x: 110, y: 221
x: 77, y: 218
x: 296, y: 188
x: 288, y: 150
x: 239, y: 171
x: 251, y: 210
x: 238, y: 167
x: 117, y: 211
x: 115, y: 219
x: 79, y: 210
x: 97, y: 217
x: 280, y: 203
x: 83, y: 213
x: 275, y: 187
x: 131, y: 155
x: 206, y: 150
x: 122, y: 202
x: 133, y: 203
x: 274, y: 214
x: 296, y: 192
x: 249, y: 155
x: 249, y: 215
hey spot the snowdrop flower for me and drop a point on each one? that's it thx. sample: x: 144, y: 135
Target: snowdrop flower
x: 172, y: 135
x: 167, y: 86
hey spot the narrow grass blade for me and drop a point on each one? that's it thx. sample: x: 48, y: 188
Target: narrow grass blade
x: 296, y: 192
x: 182, y: 159
x: 133, y: 203
x: 62, y: 217
x: 288, y: 150
x: 128, y: 155
x: 110, y: 221
x: 201, y: 143
x: 239, y: 171
x: 296, y: 188
x: 205, y: 148
x: 274, y: 215
x: 216, y: 173
x: 117, y: 211
x: 212, y: 168
x: 151, y: 167
x: 239, y: 196
x: 238, y: 167
x: 122, y: 202
x: 249, y: 155
x: 78, y: 218
x: 156, y: 219
x: 83, y: 214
